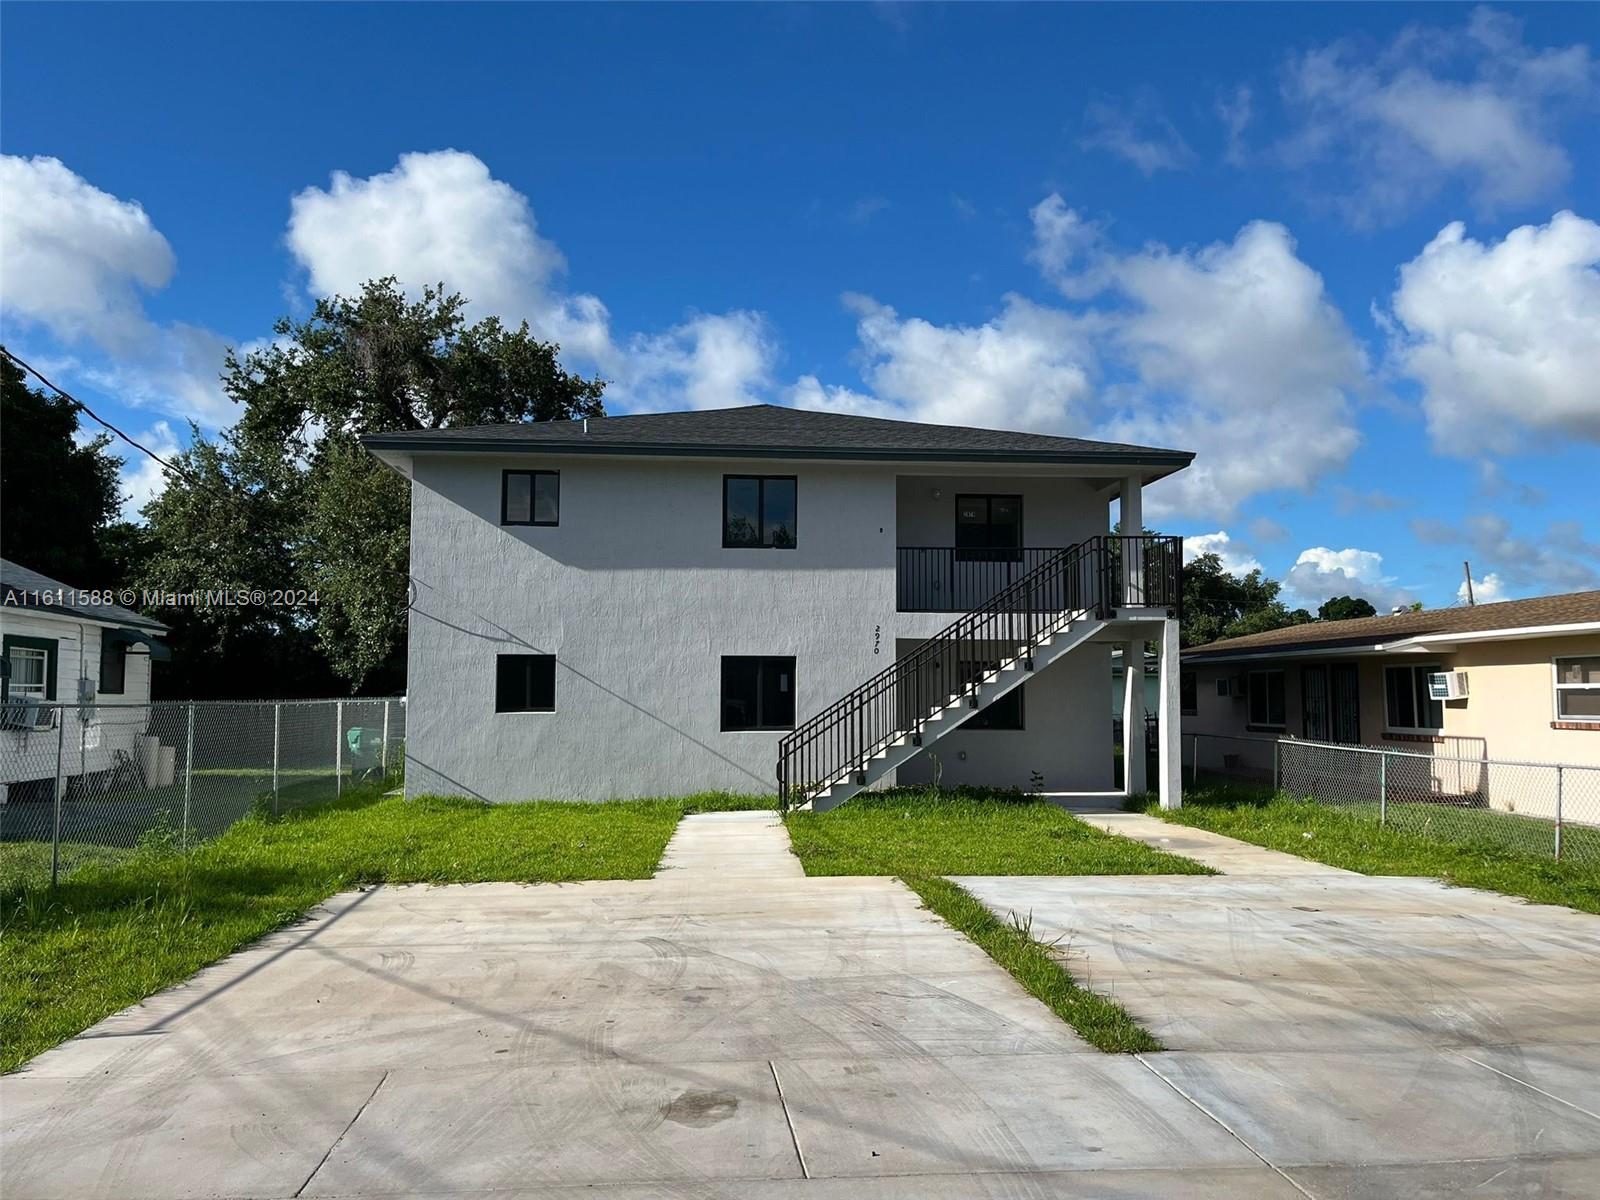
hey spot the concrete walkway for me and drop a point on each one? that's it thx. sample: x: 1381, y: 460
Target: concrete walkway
x: 730, y: 1029
x: 1220, y: 853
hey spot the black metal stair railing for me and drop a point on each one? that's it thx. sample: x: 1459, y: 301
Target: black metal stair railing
x: 843, y: 738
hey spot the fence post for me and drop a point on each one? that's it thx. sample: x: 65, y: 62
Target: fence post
x: 1383, y: 788
x: 338, y: 748
x: 1274, y: 765
x: 55, y: 834
x: 1560, y: 780
x: 1194, y: 763
x: 277, y: 725
x: 188, y: 776
x: 384, y: 765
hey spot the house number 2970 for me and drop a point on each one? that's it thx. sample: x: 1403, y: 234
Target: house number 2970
x: 877, y: 637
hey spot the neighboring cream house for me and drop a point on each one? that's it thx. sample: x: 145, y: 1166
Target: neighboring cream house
x: 56, y: 645
x: 764, y: 597
x: 1526, y: 674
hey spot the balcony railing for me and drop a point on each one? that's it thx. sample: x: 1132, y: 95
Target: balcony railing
x: 945, y: 579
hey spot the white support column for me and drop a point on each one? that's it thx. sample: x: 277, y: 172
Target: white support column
x: 1132, y: 517
x: 1170, y: 769
x: 1134, y: 782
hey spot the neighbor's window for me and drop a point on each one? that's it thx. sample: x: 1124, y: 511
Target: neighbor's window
x: 530, y: 498
x: 1004, y: 713
x: 1188, y: 694
x: 33, y: 667
x: 1266, y: 699
x: 525, y: 683
x: 1578, y: 689
x: 758, y: 511
x: 113, y: 663
x: 757, y: 692
x: 1407, y: 707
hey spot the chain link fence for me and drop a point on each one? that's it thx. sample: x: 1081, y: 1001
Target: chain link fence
x: 1536, y: 809
x: 87, y: 783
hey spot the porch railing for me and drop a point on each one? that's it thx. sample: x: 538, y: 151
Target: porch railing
x: 948, y: 579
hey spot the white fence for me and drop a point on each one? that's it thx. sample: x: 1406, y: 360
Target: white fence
x: 83, y: 783
x: 1545, y: 809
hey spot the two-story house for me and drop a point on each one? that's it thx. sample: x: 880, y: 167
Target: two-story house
x: 764, y: 597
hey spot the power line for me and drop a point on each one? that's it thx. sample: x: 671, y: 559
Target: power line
x: 84, y: 408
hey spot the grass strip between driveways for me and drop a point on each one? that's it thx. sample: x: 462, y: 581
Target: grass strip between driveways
x: 1477, y: 854
x: 117, y: 930
x: 921, y: 835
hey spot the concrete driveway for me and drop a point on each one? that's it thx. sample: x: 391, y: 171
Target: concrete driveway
x: 1368, y: 1037
x: 732, y: 1029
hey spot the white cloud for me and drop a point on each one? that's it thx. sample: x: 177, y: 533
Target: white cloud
x: 1236, y: 559
x: 1561, y: 559
x: 142, y: 478
x: 75, y: 259
x: 1236, y: 110
x: 1475, y: 104
x: 1240, y: 357
x: 1062, y: 244
x: 76, y: 262
x: 1026, y: 368
x: 1504, y: 337
x: 1320, y: 574
x: 709, y: 361
x: 1484, y: 591
x: 1135, y: 129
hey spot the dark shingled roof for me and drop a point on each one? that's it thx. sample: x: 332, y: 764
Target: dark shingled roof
x: 1573, y: 608
x: 19, y: 588
x: 772, y: 431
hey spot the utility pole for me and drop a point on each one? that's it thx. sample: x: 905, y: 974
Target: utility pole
x: 1467, y: 566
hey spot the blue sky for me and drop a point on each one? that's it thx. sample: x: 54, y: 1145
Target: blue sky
x: 1230, y: 229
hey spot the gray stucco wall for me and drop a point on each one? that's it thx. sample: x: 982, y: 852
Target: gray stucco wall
x: 638, y: 600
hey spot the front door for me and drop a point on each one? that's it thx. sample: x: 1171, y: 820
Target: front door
x: 1345, y: 703
x: 1314, y: 703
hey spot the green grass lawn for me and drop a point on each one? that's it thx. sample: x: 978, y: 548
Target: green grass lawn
x: 921, y: 835
x: 120, y: 929
x: 1470, y: 847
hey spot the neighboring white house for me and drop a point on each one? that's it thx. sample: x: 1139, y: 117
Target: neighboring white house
x: 660, y: 604
x: 59, y: 647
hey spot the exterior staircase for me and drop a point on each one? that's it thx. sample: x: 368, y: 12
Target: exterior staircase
x: 962, y: 670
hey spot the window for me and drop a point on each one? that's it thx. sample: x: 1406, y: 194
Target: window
x: 1188, y: 693
x: 1407, y: 708
x: 1578, y: 689
x: 113, y: 663
x: 1266, y: 699
x: 988, y: 528
x: 757, y: 693
x: 1004, y: 713
x: 530, y: 498
x: 758, y: 511
x: 525, y: 683
x: 32, y: 663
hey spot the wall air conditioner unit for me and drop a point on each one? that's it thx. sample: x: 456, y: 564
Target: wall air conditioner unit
x: 27, y: 713
x: 1447, y: 685
x: 1231, y: 685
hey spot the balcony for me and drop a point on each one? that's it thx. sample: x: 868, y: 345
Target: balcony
x: 943, y: 579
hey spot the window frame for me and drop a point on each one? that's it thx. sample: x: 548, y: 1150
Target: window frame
x: 1419, y: 677
x: 1557, y: 687
x: 533, y: 493
x: 977, y: 722
x: 539, y: 709
x: 761, y: 516
x: 1188, y: 706
x: 113, y: 647
x: 764, y: 661
x: 988, y: 553
x: 49, y: 647
x: 1280, y: 726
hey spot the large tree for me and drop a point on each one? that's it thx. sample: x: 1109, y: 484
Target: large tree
x: 289, y: 499
x: 58, y: 494
x: 1218, y: 604
x: 1345, y: 608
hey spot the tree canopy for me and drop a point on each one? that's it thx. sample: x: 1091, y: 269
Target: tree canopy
x: 288, y: 498
x: 58, y: 495
x: 1217, y: 604
x: 1345, y: 608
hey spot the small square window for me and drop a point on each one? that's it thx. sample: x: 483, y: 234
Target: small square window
x: 530, y: 498
x: 1408, y: 707
x: 525, y: 683
x: 759, y: 512
x: 757, y: 693
x: 1578, y: 689
x: 1004, y: 713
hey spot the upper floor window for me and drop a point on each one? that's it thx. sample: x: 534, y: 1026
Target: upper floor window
x: 758, y: 511
x: 1578, y: 688
x: 1266, y: 700
x: 1407, y: 706
x: 530, y: 498
x: 988, y: 528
